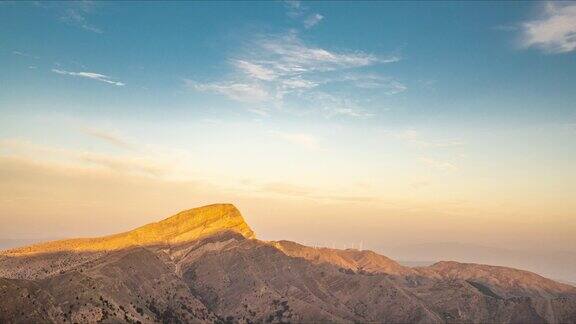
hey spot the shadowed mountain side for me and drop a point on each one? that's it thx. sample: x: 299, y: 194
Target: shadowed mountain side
x: 184, y: 226
x: 223, y: 275
x: 124, y: 286
x: 227, y: 277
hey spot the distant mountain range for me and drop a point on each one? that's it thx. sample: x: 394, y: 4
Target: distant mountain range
x: 553, y: 264
x: 206, y: 265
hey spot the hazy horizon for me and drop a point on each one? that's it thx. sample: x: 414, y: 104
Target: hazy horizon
x: 384, y: 124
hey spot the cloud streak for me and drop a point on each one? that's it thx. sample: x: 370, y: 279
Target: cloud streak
x: 239, y: 91
x: 107, y: 136
x: 123, y: 164
x: 127, y: 164
x: 90, y: 75
x: 290, y: 55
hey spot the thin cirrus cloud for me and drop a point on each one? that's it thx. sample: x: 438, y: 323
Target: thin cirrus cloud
x: 555, y: 32
x: 299, y: 12
x: 255, y: 71
x: 123, y: 164
x: 313, y: 20
x: 334, y: 105
x: 239, y: 91
x: 76, y: 14
x: 288, y: 54
x: 130, y: 164
x: 19, y: 53
x: 107, y: 136
x: 91, y: 75
x: 77, y: 18
x: 282, y: 68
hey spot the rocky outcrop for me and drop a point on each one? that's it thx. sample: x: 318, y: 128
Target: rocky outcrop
x: 185, y: 226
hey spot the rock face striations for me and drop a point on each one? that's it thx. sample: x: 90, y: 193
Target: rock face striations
x: 183, y: 227
x: 205, y: 265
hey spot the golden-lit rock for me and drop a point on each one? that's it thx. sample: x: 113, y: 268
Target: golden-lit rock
x: 185, y: 226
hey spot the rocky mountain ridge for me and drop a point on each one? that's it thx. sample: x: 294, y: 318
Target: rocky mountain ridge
x: 205, y: 265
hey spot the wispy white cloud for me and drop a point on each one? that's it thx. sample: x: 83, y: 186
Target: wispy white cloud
x: 290, y: 55
x: 245, y: 92
x: 313, y: 20
x: 389, y: 85
x: 298, y: 83
x: 76, y: 15
x: 19, y: 53
x: 306, y: 141
x: 293, y: 4
x: 333, y: 105
x: 90, y: 75
x: 259, y: 111
x: 555, y: 31
x: 284, y: 71
x: 255, y: 71
x: 300, y: 12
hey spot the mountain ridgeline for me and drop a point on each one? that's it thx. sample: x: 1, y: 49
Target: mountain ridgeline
x: 206, y: 265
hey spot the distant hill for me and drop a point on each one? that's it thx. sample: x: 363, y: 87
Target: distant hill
x: 205, y: 265
x: 553, y: 264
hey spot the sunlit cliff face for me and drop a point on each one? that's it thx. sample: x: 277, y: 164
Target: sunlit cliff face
x: 183, y: 227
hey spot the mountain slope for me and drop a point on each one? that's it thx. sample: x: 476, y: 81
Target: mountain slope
x: 349, y: 259
x: 204, y: 265
x: 184, y: 226
x: 45, y: 259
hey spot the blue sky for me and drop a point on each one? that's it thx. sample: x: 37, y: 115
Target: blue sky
x: 415, y: 109
x: 456, y: 62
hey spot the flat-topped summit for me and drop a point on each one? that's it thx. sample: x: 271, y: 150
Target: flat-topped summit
x: 185, y: 226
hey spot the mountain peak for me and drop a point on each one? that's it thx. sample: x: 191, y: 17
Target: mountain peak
x: 185, y: 226
x: 197, y: 222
